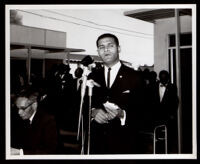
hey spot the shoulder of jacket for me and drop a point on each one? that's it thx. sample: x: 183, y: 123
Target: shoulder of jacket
x: 126, y: 68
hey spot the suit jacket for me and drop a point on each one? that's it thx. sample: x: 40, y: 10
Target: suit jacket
x: 126, y: 92
x: 40, y: 137
x: 166, y: 109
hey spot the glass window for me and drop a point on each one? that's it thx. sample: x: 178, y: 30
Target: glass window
x: 185, y: 40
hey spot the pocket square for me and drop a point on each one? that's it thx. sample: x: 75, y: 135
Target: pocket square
x: 126, y: 91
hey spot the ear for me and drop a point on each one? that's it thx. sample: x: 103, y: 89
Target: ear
x: 119, y: 49
x: 34, y: 105
x: 98, y: 53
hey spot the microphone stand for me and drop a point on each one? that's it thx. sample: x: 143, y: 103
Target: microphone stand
x: 90, y: 86
x: 80, y: 120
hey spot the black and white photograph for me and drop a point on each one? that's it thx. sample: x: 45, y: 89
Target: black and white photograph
x: 100, y: 81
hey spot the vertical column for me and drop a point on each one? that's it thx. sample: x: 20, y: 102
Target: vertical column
x: 28, y: 64
x: 66, y: 57
x: 43, y: 67
x: 172, y: 65
x: 44, y: 63
x: 178, y: 79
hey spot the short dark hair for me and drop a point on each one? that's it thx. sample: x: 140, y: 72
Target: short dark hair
x: 108, y: 35
x: 164, y: 72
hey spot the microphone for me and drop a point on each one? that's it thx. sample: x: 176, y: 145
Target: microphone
x: 88, y: 63
x: 86, y: 72
x: 91, y: 83
x: 87, y: 60
x: 86, y: 82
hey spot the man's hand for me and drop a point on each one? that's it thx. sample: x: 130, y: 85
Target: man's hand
x: 15, y: 151
x: 113, y: 110
x: 100, y: 116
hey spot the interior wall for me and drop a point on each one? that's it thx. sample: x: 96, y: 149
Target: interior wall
x: 162, y: 29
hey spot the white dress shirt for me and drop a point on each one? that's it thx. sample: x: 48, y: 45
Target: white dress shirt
x: 31, y: 118
x: 161, y: 91
x: 113, y: 72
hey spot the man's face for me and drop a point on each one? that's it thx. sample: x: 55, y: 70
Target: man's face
x: 25, y: 109
x: 164, y: 79
x: 108, y: 51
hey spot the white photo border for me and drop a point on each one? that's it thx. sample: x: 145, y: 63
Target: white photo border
x: 126, y: 156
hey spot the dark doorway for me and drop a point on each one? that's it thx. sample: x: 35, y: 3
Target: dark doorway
x: 36, y: 68
x: 186, y: 85
x: 186, y: 92
x: 18, y: 74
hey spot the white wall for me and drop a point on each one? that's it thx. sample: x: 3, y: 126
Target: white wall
x: 136, y: 40
x: 162, y: 29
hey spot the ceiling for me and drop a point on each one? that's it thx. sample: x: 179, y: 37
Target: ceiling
x: 150, y: 15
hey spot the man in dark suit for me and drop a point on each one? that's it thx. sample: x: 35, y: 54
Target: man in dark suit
x: 33, y: 131
x: 116, y: 104
x: 168, y: 97
x: 163, y: 100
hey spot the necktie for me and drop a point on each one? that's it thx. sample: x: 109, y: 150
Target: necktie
x: 108, y: 78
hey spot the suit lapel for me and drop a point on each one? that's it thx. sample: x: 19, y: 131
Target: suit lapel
x: 165, y: 93
x: 117, y: 80
x: 158, y: 93
x: 102, y: 78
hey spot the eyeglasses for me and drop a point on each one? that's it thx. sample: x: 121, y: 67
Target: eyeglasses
x: 24, y: 108
x: 108, y: 47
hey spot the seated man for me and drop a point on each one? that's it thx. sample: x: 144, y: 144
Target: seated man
x: 33, y: 131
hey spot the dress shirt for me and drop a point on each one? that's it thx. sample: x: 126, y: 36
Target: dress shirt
x: 31, y: 118
x: 162, y: 89
x: 113, y: 72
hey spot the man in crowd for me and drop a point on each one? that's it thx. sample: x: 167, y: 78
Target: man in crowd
x: 163, y: 104
x: 117, y: 103
x: 166, y: 109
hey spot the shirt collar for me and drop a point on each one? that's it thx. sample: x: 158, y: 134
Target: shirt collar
x: 162, y: 85
x: 31, y: 118
x: 114, y: 67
